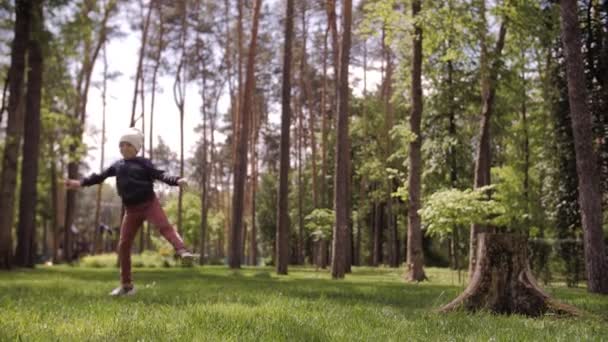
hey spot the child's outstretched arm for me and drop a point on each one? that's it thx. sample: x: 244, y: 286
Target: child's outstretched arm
x: 163, y: 177
x: 91, y: 180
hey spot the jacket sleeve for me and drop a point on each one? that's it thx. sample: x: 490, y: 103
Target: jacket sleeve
x: 98, y: 178
x: 161, y: 176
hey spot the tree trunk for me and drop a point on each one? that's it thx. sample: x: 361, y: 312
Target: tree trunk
x: 142, y: 51
x: 378, y: 233
x: 97, y: 236
x: 324, y: 128
x: 300, y: 132
x: 26, y: 230
x: 54, y: 204
x: 205, y: 179
x: 503, y: 283
x: 483, y: 160
x: 253, y: 243
x: 240, y: 165
x: 393, y: 248
x: 342, y: 177
x: 157, y: 61
x: 306, y: 87
x: 526, y: 153
x: 415, y: 256
x: 453, y: 162
x: 14, y: 128
x: 3, y: 106
x: 143, y: 228
x: 179, y: 95
x: 282, y: 240
x: 586, y: 158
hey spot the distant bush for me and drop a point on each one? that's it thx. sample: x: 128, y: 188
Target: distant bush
x: 146, y: 259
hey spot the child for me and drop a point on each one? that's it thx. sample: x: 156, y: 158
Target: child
x: 134, y: 180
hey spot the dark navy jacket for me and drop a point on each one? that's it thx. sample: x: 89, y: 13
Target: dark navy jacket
x: 134, y: 179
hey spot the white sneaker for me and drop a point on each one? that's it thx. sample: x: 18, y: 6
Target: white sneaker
x: 122, y: 291
x: 187, y: 257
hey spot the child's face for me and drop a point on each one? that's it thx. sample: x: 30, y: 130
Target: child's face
x: 127, y: 150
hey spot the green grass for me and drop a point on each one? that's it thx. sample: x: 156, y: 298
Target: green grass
x: 62, y: 303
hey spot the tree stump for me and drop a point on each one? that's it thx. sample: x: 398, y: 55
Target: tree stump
x: 503, y: 283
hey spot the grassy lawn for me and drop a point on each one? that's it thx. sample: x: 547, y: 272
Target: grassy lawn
x: 62, y: 303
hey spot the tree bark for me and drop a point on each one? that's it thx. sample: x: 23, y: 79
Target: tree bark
x: 453, y: 163
x: 378, y: 233
x: 253, y: 243
x: 324, y: 126
x: 204, y: 195
x: 54, y: 203
x: 97, y: 235
x: 26, y: 230
x: 305, y: 84
x: 387, y: 89
x: 503, y: 283
x: 282, y: 240
x: 342, y: 177
x: 299, y: 153
x: 179, y: 95
x: 586, y: 158
x: 142, y: 50
x: 240, y: 166
x: 415, y: 256
x: 14, y: 128
x: 526, y: 153
x: 483, y: 160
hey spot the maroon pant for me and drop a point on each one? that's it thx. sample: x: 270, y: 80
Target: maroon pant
x: 133, y: 219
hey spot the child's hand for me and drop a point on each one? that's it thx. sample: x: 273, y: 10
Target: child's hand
x: 72, y: 184
x: 182, y: 182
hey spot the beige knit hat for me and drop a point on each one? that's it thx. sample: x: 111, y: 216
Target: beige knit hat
x: 134, y: 137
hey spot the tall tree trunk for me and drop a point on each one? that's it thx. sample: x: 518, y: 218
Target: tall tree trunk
x: 240, y: 165
x: 157, y: 61
x: 377, y: 234
x: 3, y: 106
x: 603, y: 148
x: 453, y: 162
x: 483, y: 159
x: 342, y: 176
x: 142, y: 234
x: 205, y: 179
x: 238, y: 96
x: 415, y: 256
x: 54, y: 203
x: 98, y: 234
x: 179, y: 95
x: 586, y: 158
x: 300, y: 131
x: 26, y: 230
x: 526, y: 151
x: 283, y: 199
x: 253, y: 245
x: 142, y: 51
x: 14, y: 128
x: 324, y: 126
x: 393, y: 243
x: 305, y: 85
x: 333, y: 28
